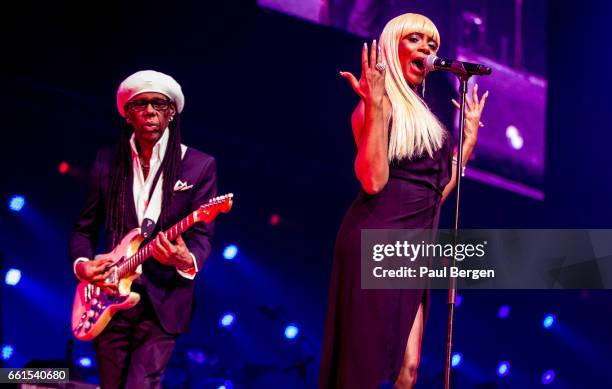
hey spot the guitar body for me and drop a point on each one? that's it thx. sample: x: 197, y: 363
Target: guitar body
x: 93, y: 307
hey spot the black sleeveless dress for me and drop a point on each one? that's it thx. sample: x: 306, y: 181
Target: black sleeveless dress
x: 366, y: 330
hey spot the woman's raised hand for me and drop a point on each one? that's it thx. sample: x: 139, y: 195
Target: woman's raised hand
x: 371, y: 84
x: 473, y: 112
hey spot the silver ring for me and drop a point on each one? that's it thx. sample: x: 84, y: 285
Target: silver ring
x: 380, y: 66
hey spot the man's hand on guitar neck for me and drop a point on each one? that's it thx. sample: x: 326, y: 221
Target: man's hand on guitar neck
x: 176, y: 255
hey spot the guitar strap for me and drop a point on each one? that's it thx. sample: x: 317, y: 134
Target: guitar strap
x: 148, y: 225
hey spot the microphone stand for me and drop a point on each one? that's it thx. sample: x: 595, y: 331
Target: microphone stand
x: 452, y: 288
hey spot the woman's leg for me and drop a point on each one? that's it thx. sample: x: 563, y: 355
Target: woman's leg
x: 408, y: 373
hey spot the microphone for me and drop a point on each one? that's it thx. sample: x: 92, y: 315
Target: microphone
x: 459, y: 68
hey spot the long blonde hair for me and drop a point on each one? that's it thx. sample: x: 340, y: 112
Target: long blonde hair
x: 415, y: 129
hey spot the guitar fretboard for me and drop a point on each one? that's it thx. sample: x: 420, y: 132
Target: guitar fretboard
x: 144, y: 253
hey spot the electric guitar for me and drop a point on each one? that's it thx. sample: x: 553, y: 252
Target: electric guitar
x: 94, y: 307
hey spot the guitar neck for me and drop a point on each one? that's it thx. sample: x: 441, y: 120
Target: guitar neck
x: 144, y: 253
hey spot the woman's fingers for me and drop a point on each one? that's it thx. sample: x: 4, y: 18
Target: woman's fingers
x: 373, y: 54
x: 468, y: 103
x: 475, y: 95
x: 353, y: 81
x: 364, y: 58
x: 482, y: 101
x: 456, y: 104
x: 368, y: 65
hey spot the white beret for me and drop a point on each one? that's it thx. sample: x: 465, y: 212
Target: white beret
x: 149, y: 81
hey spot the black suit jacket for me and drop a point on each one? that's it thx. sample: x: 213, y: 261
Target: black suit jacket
x: 170, y: 293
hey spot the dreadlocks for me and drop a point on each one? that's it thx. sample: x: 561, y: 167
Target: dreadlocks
x: 122, y: 170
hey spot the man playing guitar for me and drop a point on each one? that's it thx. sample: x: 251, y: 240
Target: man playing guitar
x: 149, y: 181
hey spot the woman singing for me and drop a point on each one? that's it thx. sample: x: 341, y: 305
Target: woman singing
x: 404, y: 164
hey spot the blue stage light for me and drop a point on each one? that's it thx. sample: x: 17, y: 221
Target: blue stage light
x: 548, y: 377
x: 226, y: 385
x: 503, y: 312
x: 12, y: 277
x: 503, y: 369
x: 16, y: 203
x: 291, y: 331
x: 230, y: 252
x: 549, y: 321
x: 456, y: 359
x: 227, y: 320
x: 196, y: 356
x: 458, y: 300
x: 7, y: 351
x: 85, y: 362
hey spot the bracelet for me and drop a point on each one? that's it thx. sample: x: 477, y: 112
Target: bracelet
x: 462, y: 167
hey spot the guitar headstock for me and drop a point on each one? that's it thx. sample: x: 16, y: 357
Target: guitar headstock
x: 220, y: 204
